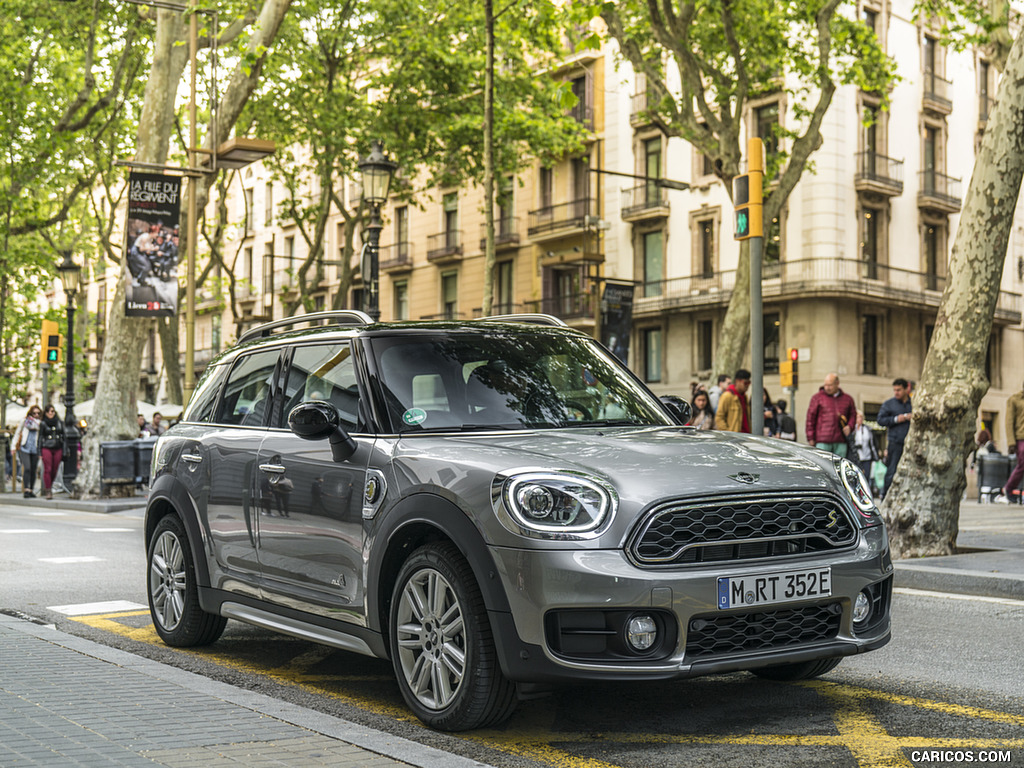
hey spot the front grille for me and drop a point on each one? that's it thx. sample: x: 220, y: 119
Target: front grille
x: 717, y: 530
x: 747, y: 632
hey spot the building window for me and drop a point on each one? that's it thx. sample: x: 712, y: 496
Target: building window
x: 215, y: 333
x: 401, y: 291
x: 547, y: 189
x: 654, y: 263
x: 268, y: 202
x: 869, y: 344
x: 247, y: 273
x: 933, y: 266
x: 450, y: 295
x: 767, y: 119
x: 250, y: 214
x: 581, y: 186
x: 652, y: 169
x: 705, y: 345
x: 506, y: 207
x: 869, y: 242
x: 772, y: 248
x: 984, y: 102
x: 268, y: 270
x: 706, y: 234
x: 503, y: 287
x: 451, y: 219
x: 402, y: 233
x: 652, y: 354
x: 772, y: 323
x: 870, y: 18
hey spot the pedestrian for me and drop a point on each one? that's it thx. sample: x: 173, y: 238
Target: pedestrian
x: 864, y: 445
x: 157, y: 426
x: 51, y: 441
x: 771, y: 416
x: 787, y: 424
x: 895, y: 416
x: 143, y: 426
x: 26, y: 440
x: 703, y: 417
x: 831, y: 416
x: 733, y: 413
x: 716, y: 391
x: 1015, y: 443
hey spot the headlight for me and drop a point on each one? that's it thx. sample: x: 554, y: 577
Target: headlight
x: 857, y: 486
x: 560, y: 504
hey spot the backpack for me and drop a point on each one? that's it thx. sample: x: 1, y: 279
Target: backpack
x: 787, y: 427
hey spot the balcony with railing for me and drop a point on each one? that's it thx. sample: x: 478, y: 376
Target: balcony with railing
x: 569, y: 307
x: 556, y: 221
x: 640, y: 103
x: 878, y: 174
x: 396, y: 257
x: 866, y: 281
x: 647, y: 201
x: 937, y: 94
x: 583, y: 114
x: 505, y: 308
x: 506, y: 233
x: 445, y: 247
x: 938, y: 192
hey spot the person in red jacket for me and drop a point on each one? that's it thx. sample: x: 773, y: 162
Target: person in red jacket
x: 831, y: 416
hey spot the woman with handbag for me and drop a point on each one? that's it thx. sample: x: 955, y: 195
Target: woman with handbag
x: 51, y: 440
x: 26, y: 440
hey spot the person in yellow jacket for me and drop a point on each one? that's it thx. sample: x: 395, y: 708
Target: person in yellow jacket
x: 733, y: 414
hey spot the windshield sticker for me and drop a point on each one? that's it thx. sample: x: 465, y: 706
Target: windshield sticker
x: 414, y: 416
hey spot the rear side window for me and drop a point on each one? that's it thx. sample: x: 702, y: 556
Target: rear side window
x: 201, y: 406
x: 323, y: 372
x: 247, y: 393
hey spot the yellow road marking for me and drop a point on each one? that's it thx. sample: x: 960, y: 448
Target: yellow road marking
x: 858, y: 730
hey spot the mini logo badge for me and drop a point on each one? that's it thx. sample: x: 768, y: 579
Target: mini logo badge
x: 745, y: 477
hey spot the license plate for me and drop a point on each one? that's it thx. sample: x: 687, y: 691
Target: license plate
x: 769, y: 588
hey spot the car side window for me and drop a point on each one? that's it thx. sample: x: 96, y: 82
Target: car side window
x: 323, y: 372
x: 248, y: 389
x: 203, y: 402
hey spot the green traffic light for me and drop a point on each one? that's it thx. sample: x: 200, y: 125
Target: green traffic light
x: 742, y: 224
x: 53, y: 355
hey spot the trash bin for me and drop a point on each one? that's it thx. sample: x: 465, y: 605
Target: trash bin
x: 143, y: 448
x: 117, y: 463
x: 993, y: 472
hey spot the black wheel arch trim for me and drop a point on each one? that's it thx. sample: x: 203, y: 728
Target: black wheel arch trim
x: 446, y: 517
x: 166, y: 491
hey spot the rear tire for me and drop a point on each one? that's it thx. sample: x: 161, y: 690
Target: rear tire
x: 441, y: 644
x: 803, y: 670
x: 173, y: 594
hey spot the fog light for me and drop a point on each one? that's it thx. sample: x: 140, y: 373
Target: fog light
x: 641, y: 632
x: 861, y: 608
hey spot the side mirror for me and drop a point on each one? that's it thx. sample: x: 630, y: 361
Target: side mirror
x: 319, y: 420
x: 678, y: 408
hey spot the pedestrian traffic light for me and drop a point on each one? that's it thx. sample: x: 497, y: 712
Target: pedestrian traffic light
x: 50, y: 343
x: 747, y: 195
x: 788, y: 373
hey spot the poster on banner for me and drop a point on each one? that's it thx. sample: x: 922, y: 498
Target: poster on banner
x: 617, y: 318
x: 154, y: 209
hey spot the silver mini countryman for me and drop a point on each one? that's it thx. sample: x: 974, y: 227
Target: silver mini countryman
x: 498, y: 505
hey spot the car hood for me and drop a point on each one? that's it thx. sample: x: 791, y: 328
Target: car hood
x: 643, y: 464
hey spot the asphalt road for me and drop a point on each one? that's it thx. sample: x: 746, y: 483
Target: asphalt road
x: 950, y: 680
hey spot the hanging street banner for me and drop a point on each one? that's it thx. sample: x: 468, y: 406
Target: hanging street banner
x: 617, y: 318
x: 154, y: 208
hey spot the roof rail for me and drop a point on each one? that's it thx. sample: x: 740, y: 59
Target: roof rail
x: 335, y: 317
x: 536, y: 318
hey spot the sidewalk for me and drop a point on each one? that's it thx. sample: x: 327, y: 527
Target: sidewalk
x: 71, y: 702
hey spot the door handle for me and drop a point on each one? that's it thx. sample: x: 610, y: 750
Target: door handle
x: 274, y: 469
x: 191, y: 458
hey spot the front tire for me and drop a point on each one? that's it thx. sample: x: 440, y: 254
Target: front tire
x: 800, y: 671
x: 441, y: 644
x: 173, y: 594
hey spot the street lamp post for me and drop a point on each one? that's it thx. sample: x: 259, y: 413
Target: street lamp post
x: 377, y: 170
x: 70, y: 274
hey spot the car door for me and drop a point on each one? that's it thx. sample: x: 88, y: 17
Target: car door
x: 231, y: 449
x: 311, y: 527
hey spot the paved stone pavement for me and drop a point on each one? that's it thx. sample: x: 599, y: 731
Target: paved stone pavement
x: 66, y: 701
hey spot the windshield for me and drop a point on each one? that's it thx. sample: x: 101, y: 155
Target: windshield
x: 507, y: 380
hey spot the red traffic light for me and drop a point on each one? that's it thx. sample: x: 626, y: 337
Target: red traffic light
x: 794, y: 354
